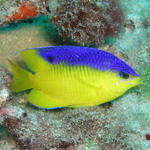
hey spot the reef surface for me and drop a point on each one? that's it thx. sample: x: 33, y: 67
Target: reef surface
x: 123, y: 124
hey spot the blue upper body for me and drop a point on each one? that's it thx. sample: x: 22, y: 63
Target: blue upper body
x: 85, y: 56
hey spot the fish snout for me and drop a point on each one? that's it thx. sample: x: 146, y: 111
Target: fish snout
x: 134, y: 81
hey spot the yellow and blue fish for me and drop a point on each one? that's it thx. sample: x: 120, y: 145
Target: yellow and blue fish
x: 72, y: 76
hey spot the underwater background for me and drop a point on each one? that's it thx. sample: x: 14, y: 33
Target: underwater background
x: 121, y: 27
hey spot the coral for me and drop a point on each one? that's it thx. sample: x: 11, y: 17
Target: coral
x: 5, y: 111
x: 26, y: 10
x: 19, y: 10
x: 87, y: 22
x: 147, y: 136
x: 64, y: 129
x: 3, y: 95
x: 134, y: 39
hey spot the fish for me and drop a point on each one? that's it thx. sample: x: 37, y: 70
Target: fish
x: 71, y: 76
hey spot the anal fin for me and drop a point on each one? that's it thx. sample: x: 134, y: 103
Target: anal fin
x: 41, y: 100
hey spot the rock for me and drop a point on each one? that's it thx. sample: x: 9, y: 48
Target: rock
x: 4, y: 94
x: 4, y: 91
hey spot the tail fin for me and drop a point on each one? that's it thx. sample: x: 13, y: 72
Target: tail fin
x: 21, y: 78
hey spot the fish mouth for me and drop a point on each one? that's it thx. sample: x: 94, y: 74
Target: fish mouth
x: 134, y: 81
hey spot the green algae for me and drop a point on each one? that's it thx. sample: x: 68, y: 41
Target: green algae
x: 90, y: 144
x: 144, y: 88
x: 3, y: 132
x: 48, y: 30
x: 1, y: 1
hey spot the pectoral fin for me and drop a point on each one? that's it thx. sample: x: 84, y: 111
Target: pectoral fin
x: 95, y: 86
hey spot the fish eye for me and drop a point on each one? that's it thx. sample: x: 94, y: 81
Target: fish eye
x: 123, y: 75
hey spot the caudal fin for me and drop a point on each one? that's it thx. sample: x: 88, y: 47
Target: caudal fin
x: 21, y: 78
